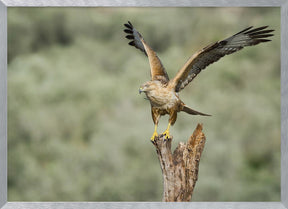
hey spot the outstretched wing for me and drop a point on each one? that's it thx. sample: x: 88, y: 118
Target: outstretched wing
x: 213, y: 52
x: 157, y: 70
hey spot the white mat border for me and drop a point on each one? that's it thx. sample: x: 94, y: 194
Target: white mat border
x: 143, y: 3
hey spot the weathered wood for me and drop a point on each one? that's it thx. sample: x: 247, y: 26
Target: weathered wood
x: 180, y: 169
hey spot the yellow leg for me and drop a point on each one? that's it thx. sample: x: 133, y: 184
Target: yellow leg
x: 166, y: 132
x: 154, y: 134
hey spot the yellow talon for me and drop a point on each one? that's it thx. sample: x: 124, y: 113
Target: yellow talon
x: 154, y: 134
x: 166, y: 133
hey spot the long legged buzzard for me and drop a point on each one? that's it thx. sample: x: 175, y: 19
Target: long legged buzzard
x: 163, y: 93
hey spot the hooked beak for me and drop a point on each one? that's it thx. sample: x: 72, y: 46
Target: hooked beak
x: 140, y: 90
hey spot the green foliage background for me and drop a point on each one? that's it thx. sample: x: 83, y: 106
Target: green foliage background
x: 79, y: 131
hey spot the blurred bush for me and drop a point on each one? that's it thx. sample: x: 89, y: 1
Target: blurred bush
x: 79, y: 131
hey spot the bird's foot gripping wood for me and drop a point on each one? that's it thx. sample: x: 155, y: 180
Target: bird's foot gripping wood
x: 154, y: 136
x: 166, y: 133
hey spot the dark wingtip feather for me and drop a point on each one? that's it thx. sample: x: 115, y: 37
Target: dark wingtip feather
x: 131, y: 43
x: 256, y: 29
x: 262, y: 32
x: 242, y: 31
x: 259, y: 31
x: 128, y: 31
x: 264, y: 40
x: 130, y: 23
x: 263, y: 36
x: 259, y: 35
x: 129, y: 37
x: 128, y: 26
x: 257, y: 41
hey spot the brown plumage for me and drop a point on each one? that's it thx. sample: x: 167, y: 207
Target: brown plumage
x: 163, y: 93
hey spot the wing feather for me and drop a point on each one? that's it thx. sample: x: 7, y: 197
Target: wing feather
x: 213, y: 52
x: 158, y: 71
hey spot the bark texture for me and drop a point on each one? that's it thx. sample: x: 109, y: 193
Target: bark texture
x: 180, y: 169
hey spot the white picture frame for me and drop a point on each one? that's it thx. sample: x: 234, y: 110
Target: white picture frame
x: 4, y: 4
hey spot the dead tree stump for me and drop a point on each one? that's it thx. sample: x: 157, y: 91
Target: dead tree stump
x: 180, y: 169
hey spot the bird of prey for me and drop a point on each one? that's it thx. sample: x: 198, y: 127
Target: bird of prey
x: 163, y: 93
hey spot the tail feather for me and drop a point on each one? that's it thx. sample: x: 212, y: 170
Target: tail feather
x: 193, y: 112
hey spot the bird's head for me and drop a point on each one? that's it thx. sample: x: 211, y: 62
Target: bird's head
x: 147, y: 87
